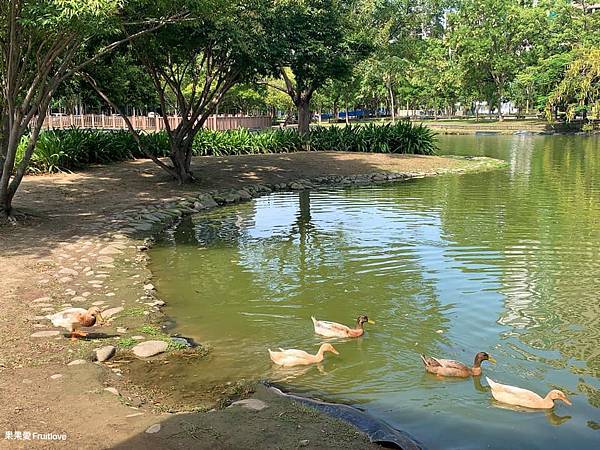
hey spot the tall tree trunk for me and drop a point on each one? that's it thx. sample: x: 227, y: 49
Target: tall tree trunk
x: 392, y: 103
x: 336, y: 111
x: 5, y: 202
x: 500, y: 92
x: 181, y: 159
x: 347, y: 117
x: 303, y: 115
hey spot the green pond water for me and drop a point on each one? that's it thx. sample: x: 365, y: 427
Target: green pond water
x: 506, y: 262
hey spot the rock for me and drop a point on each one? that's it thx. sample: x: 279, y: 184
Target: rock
x: 136, y: 402
x: 121, y: 330
x: 112, y: 390
x: 110, y: 250
x: 105, y: 353
x: 65, y: 280
x: 42, y: 300
x: 135, y: 414
x: 181, y: 341
x: 149, y: 348
x: 138, y: 338
x: 144, y: 226
x: 153, y: 428
x: 149, y: 287
x: 158, y: 303
x: 209, y: 202
x: 77, y: 362
x: 98, y: 303
x: 56, y: 376
x: 296, y: 186
x: 304, y: 443
x: 67, y: 271
x: 107, y: 314
x: 45, y: 333
x: 244, y: 194
x: 106, y: 259
x: 250, y: 403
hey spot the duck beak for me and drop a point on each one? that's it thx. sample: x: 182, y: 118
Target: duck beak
x: 333, y: 350
x: 492, y: 360
x: 372, y: 322
x: 567, y: 401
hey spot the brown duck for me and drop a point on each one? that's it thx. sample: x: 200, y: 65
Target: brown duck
x: 74, y: 318
x: 451, y: 368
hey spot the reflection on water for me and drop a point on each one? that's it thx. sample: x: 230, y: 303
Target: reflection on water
x: 505, y: 262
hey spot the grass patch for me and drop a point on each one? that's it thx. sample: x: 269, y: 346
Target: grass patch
x: 151, y: 330
x: 136, y: 311
x: 126, y: 342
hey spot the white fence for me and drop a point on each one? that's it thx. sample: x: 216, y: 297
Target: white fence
x: 156, y: 123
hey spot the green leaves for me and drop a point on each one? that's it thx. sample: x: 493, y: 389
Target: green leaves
x: 67, y: 150
x: 401, y: 137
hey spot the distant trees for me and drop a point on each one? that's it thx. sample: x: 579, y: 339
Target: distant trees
x: 317, y: 43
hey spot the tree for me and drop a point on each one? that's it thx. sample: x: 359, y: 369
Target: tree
x: 194, y: 63
x: 317, y: 44
x: 580, y: 87
x: 44, y: 42
x: 491, y: 42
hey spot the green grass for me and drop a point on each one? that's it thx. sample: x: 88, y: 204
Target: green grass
x: 151, y: 330
x: 126, y: 342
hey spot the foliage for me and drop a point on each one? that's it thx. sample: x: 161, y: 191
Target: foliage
x: 67, y: 150
x: 401, y: 137
x: 580, y: 87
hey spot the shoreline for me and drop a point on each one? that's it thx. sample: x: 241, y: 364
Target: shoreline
x: 108, y: 263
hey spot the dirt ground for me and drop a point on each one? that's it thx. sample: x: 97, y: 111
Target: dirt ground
x: 42, y: 264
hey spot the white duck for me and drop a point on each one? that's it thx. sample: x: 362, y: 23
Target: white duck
x: 513, y: 395
x: 74, y: 318
x: 333, y: 329
x: 292, y: 357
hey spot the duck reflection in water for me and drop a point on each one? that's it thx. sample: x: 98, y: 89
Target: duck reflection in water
x: 280, y: 373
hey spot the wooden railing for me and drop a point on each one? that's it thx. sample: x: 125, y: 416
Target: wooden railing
x: 156, y: 123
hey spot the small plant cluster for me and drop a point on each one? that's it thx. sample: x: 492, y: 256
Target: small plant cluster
x: 72, y: 149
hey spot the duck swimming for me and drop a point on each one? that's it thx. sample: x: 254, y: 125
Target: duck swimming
x: 333, y: 329
x: 74, y: 318
x: 513, y: 395
x: 292, y: 357
x: 451, y: 368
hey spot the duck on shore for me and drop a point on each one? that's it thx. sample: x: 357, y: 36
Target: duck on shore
x: 451, y: 368
x: 517, y: 396
x: 73, y: 318
x: 333, y: 329
x: 293, y: 357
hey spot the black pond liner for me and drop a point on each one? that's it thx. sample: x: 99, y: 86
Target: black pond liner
x: 377, y: 430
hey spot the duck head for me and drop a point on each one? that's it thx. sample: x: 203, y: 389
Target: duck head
x: 483, y: 356
x: 555, y: 394
x: 95, y: 312
x: 362, y: 319
x: 328, y: 348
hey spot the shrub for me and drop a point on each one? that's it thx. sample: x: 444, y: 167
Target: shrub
x: 66, y: 150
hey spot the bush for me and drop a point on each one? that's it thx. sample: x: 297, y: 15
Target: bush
x: 66, y: 150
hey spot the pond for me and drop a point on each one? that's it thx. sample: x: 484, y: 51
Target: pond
x: 506, y: 262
